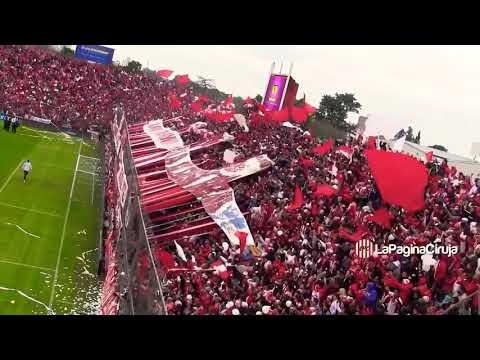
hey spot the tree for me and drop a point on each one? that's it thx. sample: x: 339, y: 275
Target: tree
x: 335, y: 109
x: 410, y: 135
x: 206, y: 83
x: 399, y: 134
x: 417, y: 139
x: 238, y: 101
x: 151, y: 73
x: 439, y: 147
x: 133, y: 66
x: 67, y: 51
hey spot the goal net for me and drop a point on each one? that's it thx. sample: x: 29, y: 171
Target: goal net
x: 88, y: 180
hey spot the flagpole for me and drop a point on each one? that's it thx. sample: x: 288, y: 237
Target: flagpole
x: 286, y: 86
x: 268, y: 82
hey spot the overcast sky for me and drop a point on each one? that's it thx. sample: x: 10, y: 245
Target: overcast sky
x: 435, y: 89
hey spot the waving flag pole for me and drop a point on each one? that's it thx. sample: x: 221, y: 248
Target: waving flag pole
x: 286, y: 85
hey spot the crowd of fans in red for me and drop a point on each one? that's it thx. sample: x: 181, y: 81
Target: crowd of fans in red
x: 59, y: 88
x: 307, y: 266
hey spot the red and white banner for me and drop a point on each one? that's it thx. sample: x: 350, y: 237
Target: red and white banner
x: 209, y: 186
x: 39, y: 120
x: 121, y: 180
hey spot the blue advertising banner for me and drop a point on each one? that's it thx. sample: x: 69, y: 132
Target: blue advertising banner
x: 96, y: 53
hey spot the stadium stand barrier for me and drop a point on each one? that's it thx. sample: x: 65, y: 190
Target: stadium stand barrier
x: 128, y: 248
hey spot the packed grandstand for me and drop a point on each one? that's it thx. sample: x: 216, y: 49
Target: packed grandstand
x: 308, y: 202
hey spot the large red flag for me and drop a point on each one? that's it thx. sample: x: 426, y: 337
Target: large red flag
x: 279, y: 117
x: 242, y: 237
x: 298, y: 199
x: 174, y: 101
x: 299, y: 115
x: 429, y: 156
x: 372, y: 143
x: 309, y: 108
x: 182, y: 79
x: 323, y: 149
x: 401, y: 179
x: 382, y: 217
x: 164, y: 73
x: 324, y: 190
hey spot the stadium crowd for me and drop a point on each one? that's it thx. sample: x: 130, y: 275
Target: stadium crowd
x: 52, y: 86
x: 307, y: 264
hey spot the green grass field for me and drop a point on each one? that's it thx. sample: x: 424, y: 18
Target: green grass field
x: 48, y: 225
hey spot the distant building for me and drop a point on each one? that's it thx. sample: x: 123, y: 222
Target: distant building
x: 463, y: 164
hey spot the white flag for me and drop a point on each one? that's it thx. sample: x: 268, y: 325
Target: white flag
x: 229, y: 156
x: 240, y: 119
x: 398, y: 145
x: 180, y: 252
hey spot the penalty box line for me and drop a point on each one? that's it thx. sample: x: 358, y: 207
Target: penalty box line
x: 11, y: 176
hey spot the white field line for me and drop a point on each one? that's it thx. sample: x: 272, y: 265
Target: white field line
x: 10, y: 177
x: 67, y: 213
x: 30, y: 210
x: 23, y: 230
x: 49, y: 310
x: 26, y: 265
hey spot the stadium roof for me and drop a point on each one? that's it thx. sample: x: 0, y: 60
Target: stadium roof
x: 439, y: 153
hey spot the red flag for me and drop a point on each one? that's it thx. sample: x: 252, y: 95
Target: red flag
x: 382, y: 217
x: 345, y: 150
x: 323, y: 149
x: 176, y: 104
x: 299, y: 115
x: 324, y: 190
x: 221, y: 270
x: 164, y: 73
x: 261, y: 109
x: 307, y: 107
x: 372, y: 143
x: 279, y: 117
x: 307, y: 163
x: 357, y: 235
x: 298, y: 199
x: 196, y: 106
x: 248, y: 101
x: 401, y: 179
x: 228, y: 101
x: 182, y: 79
x: 203, y: 99
x: 429, y: 156
x: 165, y: 258
x: 242, y: 236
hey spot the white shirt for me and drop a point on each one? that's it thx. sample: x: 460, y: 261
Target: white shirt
x: 27, y: 166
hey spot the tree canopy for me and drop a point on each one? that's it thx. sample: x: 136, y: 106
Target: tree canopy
x: 335, y: 109
x: 133, y: 66
x: 439, y: 147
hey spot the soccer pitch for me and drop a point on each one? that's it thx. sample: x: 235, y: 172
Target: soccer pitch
x: 48, y: 225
